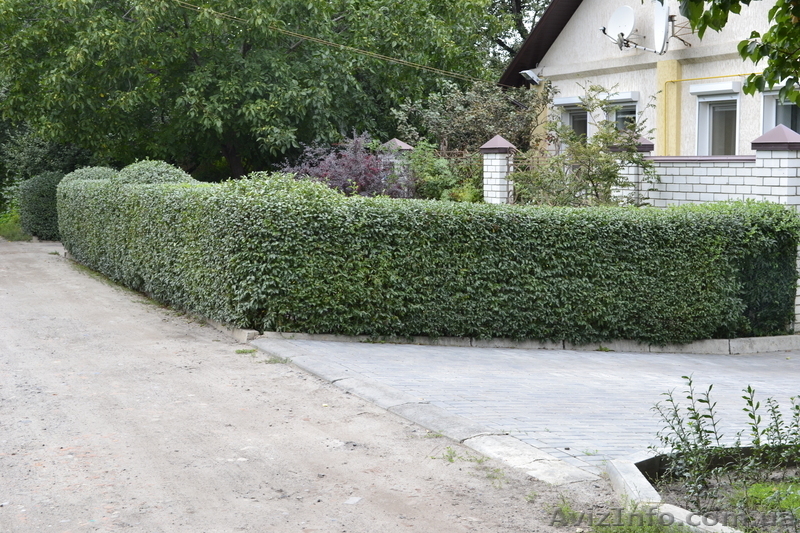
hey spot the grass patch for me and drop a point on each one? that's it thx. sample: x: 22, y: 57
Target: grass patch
x: 11, y: 229
x: 246, y: 350
x: 777, y: 496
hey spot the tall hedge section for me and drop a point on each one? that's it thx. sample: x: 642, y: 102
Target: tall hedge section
x: 272, y: 253
x: 37, y: 205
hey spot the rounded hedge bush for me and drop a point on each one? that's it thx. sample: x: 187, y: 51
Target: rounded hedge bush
x: 37, y: 205
x: 91, y: 173
x: 152, y: 172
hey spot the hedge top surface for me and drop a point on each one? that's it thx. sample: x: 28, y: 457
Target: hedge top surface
x: 91, y: 173
x: 152, y: 172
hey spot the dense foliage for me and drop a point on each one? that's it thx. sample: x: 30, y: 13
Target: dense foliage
x: 778, y: 45
x: 464, y: 119
x: 37, y: 205
x: 274, y: 253
x: 202, y: 86
x: 576, y: 171
x: 355, y: 166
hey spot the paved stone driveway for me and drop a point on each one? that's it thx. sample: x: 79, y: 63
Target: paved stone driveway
x: 582, y: 407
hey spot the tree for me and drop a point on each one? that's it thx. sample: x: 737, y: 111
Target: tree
x: 779, y: 45
x: 133, y: 78
x: 519, y: 17
x: 464, y: 119
x: 577, y: 171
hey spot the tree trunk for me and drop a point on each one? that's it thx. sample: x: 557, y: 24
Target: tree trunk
x: 234, y: 160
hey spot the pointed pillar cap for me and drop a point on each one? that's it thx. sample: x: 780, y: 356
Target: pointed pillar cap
x: 497, y: 145
x: 397, y: 144
x: 778, y: 138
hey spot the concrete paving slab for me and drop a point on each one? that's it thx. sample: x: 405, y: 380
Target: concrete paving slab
x: 582, y: 408
x: 381, y: 395
x: 535, y: 462
x: 438, y: 420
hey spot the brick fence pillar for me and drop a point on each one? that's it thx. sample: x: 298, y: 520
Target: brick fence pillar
x: 778, y: 156
x: 498, y: 162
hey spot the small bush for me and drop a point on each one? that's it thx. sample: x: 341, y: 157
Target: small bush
x: 433, y: 178
x: 37, y: 205
x: 353, y: 169
x: 151, y: 172
x: 10, y: 228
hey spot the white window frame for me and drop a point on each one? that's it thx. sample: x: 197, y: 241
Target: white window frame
x: 708, y: 95
x: 769, y: 108
x: 571, y: 104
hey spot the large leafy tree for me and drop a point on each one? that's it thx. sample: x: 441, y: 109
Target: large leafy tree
x: 135, y: 78
x: 518, y: 18
x: 779, y: 45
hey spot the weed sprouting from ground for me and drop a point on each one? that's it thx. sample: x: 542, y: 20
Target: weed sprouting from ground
x: 755, y: 475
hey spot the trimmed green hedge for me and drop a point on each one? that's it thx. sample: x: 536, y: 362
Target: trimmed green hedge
x: 272, y: 253
x: 37, y: 205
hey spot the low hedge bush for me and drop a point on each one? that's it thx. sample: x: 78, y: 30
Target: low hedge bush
x: 272, y: 253
x: 37, y: 205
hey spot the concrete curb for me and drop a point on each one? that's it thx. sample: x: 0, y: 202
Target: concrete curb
x: 628, y: 480
x: 484, y: 440
x: 744, y: 345
x: 242, y: 336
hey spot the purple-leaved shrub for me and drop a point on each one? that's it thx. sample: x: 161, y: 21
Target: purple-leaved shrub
x: 354, y: 168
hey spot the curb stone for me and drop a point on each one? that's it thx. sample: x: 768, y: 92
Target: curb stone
x: 510, y: 450
x: 628, y: 480
x: 740, y: 346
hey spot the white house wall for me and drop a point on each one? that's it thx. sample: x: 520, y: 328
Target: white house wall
x: 582, y: 55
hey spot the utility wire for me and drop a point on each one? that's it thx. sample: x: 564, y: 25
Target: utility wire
x: 332, y: 44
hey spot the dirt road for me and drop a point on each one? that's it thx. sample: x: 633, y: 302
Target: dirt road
x: 117, y: 414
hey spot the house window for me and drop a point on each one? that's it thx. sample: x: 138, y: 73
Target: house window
x: 777, y: 112
x: 625, y: 117
x: 579, y: 122
x: 786, y: 113
x: 722, y: 129
x: 717, y: 117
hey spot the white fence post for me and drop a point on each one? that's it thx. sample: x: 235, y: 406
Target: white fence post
x: 498, y: 163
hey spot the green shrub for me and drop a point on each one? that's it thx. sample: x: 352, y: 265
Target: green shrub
x: 152, y: 172
x: 10, y: 228
x: 37, y: 205
x: 91, y: 173
x: 273, y: 253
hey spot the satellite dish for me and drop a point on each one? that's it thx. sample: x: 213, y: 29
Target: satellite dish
x: 660, y: 26
x: 620, y: 25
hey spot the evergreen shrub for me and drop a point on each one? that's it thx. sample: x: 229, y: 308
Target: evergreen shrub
x: 37, y: 205
x: 273, y: 253
x: 152, y: 172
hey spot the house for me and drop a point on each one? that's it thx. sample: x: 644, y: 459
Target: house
x: 696, y: 86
